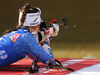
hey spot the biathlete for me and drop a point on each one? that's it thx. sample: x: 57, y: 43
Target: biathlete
x: 17, y: 43
x: 43, y: 33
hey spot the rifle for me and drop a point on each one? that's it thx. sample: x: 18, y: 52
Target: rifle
x: 64, y: 22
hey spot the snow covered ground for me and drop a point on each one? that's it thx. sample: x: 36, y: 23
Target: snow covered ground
x: 80, y: 66
x: 92, y: 70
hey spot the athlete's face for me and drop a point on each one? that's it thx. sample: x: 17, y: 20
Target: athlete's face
x: 34, y: 28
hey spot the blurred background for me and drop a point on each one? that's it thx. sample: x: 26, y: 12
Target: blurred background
x: 81, y: 41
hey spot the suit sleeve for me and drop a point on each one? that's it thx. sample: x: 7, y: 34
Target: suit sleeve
x: 33, y: 48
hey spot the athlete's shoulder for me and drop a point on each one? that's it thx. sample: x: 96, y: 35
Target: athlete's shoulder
x: 22, y: 30
x: 28, y: 35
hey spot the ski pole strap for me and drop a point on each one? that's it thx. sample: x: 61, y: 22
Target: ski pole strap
x: 34, y: 67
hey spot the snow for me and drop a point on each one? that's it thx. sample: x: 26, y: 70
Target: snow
x: 92, y: 70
